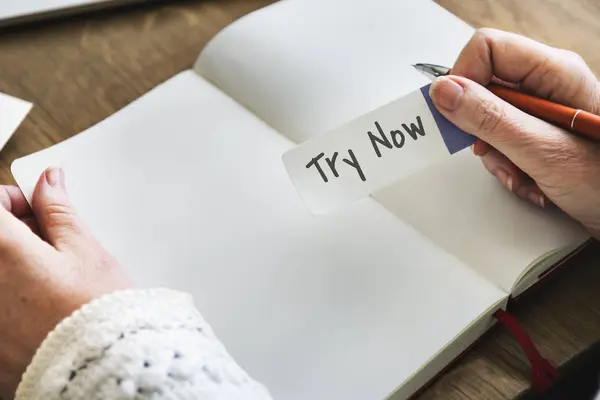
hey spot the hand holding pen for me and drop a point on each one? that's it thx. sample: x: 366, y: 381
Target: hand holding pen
x: 537, y: 160
x: 578, y: 121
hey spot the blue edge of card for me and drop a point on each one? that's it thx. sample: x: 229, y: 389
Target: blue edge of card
x: 454, y: 138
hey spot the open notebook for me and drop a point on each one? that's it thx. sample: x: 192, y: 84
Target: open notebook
x: 186, y: 186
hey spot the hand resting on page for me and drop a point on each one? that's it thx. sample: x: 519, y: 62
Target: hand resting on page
x: 533, y: 159
x: 107, y: 341
x: 44, y: 281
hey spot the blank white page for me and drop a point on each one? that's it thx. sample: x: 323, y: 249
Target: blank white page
x: 464, y: 210
x: 307, y: 66
x: 188, y: 190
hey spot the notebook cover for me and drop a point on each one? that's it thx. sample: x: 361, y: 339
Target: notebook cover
x: 551, y: 272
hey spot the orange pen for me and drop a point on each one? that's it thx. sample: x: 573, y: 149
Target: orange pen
x: 577, y: 121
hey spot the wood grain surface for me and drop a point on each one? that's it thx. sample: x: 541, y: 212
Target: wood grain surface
x: 81, y: 69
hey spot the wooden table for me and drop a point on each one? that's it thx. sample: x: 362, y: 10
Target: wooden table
x: 80, y: 70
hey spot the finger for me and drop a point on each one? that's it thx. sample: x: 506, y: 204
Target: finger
x: 13, y: 200
x: 57, y: 219
x: 538, y: 148
x: 19, y: 234
x: 512, y: 178
x: 498, y: 81
x: 480, y: 148
x: 509, y: 175
x: 31, y: 223
x: 16, y: 238
x: 530, y: 192
x: 548, y: 72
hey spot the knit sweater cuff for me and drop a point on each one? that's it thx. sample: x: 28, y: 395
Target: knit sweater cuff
x: 128, y: 342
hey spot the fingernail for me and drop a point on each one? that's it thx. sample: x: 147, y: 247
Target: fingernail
x: 55, y: 177
x: 537, y: 199
x: 472, y: 147
x: 505, y: 179
x: 445, y: 93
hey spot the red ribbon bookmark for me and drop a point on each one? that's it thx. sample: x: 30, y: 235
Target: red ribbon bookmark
x: 544, y: 374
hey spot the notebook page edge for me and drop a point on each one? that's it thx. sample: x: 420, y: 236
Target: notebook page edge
x: 461, y: 342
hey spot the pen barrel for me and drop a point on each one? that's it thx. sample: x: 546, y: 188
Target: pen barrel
x: 588, y: 124
x: 577, y: 121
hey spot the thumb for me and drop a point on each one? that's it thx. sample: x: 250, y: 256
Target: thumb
x: 56, y: 217
x: 535, y: 146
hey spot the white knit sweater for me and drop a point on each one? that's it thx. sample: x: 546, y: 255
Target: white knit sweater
x: 136, y: 345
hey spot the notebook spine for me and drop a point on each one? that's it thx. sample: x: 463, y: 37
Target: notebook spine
x: 544, y: 373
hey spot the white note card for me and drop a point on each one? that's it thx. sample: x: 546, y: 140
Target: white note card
x: 372, y: 152
x: 12, y: 112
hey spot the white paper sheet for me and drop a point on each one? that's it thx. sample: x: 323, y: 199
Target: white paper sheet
x: 187, y: 189
x: 372, y: 152
x: 12, y: 112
